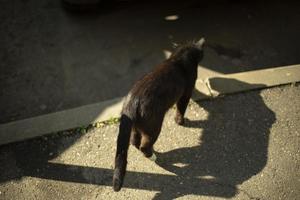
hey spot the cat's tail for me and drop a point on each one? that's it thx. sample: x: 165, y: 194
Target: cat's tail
x: 122, y: 149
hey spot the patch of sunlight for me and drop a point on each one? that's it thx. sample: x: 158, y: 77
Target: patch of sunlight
x: 172, y: 17
x: 207, y: 177
x: 180, y: 165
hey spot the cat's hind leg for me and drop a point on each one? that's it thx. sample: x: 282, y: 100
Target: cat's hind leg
x: 150, y: 129
x: 147, y: 147
x: 135, y: 138
x: 149, y: 137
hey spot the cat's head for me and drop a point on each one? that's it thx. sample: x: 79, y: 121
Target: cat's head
x: 194, y: 50
x: 199, y: 46
x: 191, y: 52
x: 195, y: 43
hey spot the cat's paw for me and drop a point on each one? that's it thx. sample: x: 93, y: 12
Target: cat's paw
x: 179, y: 120
x: 153, y: 157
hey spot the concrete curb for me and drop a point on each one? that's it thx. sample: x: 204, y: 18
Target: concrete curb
x: 212, y: 84
x: 207, y: 86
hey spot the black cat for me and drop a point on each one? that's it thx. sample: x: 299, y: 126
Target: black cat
x: 147, y: 102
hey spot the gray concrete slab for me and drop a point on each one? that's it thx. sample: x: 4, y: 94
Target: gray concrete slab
x: 242, y: 146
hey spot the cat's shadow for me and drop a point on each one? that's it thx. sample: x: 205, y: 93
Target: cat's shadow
x: 233, y: 146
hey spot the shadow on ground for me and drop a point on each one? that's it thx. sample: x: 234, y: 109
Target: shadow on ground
x: 232, y: 148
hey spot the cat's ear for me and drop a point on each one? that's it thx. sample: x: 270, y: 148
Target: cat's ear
x: 199, y: 44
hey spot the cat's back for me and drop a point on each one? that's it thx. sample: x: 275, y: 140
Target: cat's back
x: 164, y: 80
x: 157, y: 90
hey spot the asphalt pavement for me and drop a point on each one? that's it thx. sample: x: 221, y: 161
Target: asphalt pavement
x: 240, y: 146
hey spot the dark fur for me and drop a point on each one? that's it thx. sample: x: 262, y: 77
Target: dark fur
x: 146, y: 104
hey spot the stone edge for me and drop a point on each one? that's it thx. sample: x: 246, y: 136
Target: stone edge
x: 207, y: 87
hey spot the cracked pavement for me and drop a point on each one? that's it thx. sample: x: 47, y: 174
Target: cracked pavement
x: 241, y: 146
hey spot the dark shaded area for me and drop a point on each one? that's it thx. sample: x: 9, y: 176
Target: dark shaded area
x: 52, y: 59
x: 233, y: 147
